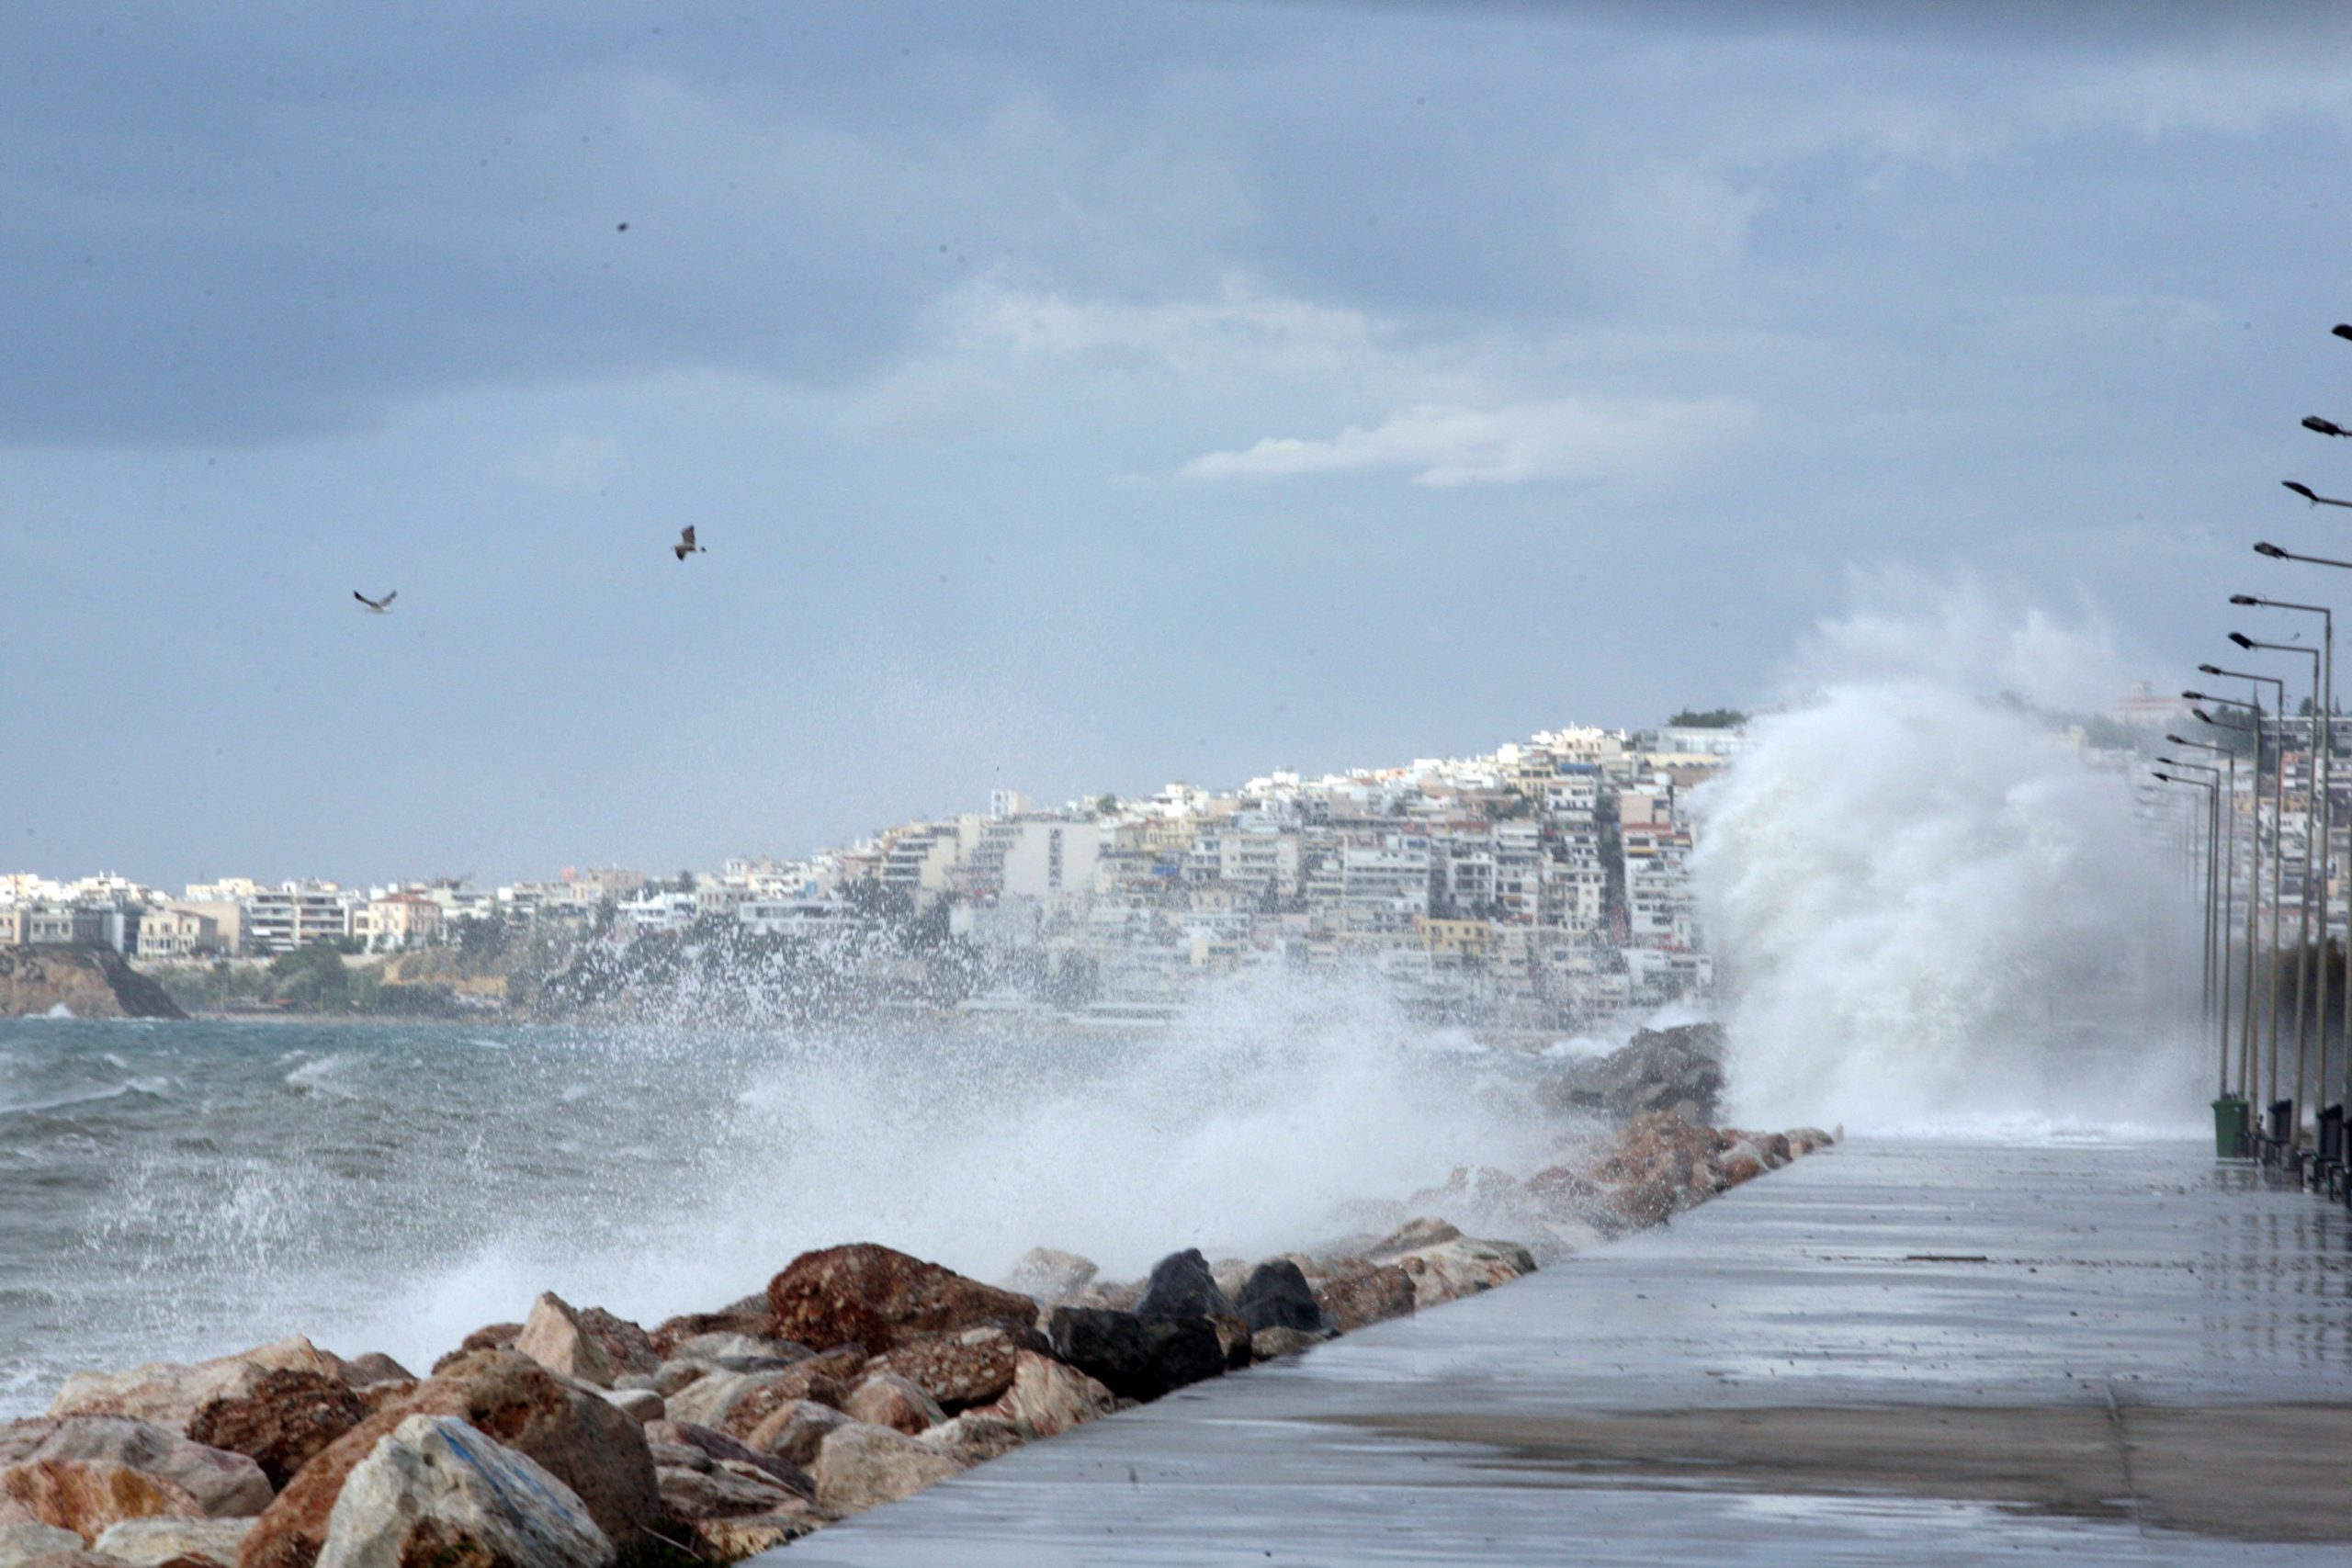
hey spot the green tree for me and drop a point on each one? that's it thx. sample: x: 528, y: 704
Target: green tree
x: 1707, y: 718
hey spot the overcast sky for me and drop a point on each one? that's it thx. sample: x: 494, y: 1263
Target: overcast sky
x: 1081, y: 396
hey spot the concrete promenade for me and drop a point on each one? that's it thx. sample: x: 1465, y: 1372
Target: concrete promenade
x: 1884, y: 1353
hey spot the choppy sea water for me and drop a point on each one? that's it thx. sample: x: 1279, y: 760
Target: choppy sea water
x: 172, y: 1190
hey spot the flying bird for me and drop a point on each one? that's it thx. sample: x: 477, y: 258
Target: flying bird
x: 685, y: 546
x: 377, y: 606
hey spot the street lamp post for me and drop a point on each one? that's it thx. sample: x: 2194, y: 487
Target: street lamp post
x: 2277, y: 851
x: 2221, y: 852
x: 2249, y: 1044
x: 2315, y: 827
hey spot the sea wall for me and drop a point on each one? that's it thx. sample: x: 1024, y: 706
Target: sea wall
x: 86, y: 981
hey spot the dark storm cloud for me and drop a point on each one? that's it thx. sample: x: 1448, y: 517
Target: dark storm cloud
x: 237, y: 224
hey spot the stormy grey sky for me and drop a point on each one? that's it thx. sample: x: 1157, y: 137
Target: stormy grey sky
x: 1081, y: 396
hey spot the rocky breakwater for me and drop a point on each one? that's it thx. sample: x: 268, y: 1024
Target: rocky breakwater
x: 575, y: 1438
x: 83, y: 980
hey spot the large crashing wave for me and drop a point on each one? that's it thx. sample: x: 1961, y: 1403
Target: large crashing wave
x: 1930, y: 913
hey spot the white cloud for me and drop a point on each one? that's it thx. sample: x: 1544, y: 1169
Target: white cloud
x: 1581, y: 438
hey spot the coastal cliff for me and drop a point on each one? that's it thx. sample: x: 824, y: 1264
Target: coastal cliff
x: 86, y: 981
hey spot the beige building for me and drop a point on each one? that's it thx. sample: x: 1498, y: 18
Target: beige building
x: 398, y: 921
x: 177, y: 930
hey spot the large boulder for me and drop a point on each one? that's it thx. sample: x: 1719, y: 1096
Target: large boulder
x: 885, y: 1399
x: 282, y: 1420
x: 169, y: 1393
x: 1108, y: 1346
x: 676, y: 1443
x: 1276, y: 1296
x: 1047, y: 1397
x: 1446, y: 1264
x: 435, y: 1491
x: 86, y: 1473
x: 1679, y: 1071
x: 795, y: 1432
x: 1378, y: 1291
x: 1048, y: 1276
x: 590, y: 1346
x: 145, y: 1544
x: 1187, y: 1351
x: 596, y: 1450
x: 874, y: 1296
x: 1183, y: 1285
x: 736, y: 1402
x: 860, y: 1466
x: 720, y: 1492
x: 962, y: 1368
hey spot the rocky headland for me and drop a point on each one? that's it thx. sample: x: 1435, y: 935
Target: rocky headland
x: 576, y: 1438
x: 84, y: 979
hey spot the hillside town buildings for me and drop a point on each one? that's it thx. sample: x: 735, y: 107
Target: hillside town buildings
x: 1546, y: 882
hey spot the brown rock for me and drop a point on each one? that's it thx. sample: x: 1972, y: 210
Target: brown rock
x: 718, y: 1448
x: 1232, y: 1337
x: 1383, y: 1291
x: 794, y: 1432
x: 1272, y: 1344
x: 488, y: 1336
x: 721, y: 1491
x: 874, y: 1296
x: 736, y: 1403
x: 960, y: 1370
x: 591, y: 1345
x: 861, y: 1466
x: 287, y: 1416
x: 1445, y: 1265
x: 1047, y: 1397
x: 888, y: 1400
x: 168, y: 1393
x: 749, y: 1317
x: 86, y: 1473
x: 976, y: 1437
x: 596, y: 1450
x: 731, y: 1540
x: 374, y: 1367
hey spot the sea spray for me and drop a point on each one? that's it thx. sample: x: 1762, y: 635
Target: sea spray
x: 1930, y: 914
x: 394, y: 1187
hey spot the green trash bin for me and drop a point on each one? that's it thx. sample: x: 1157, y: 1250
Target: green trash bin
x: 2230, y: 1127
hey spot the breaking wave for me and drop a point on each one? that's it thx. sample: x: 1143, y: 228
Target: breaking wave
x: 1930, y: 913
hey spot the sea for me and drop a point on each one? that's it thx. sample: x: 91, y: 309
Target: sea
x: 171, y: 1190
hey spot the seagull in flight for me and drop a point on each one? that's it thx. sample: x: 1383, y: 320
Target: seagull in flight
x: 685, y: 546
x: 377, y: 606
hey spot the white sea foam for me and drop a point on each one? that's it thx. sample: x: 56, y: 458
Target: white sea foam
x: 337, y: 1074
x: 1254, y: 1127
x: 1930, y: 914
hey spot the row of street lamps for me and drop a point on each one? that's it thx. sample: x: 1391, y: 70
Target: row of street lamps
x: 2240, y: 977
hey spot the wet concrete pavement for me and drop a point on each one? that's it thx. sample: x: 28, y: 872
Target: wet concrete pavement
x: 1880, y: 1354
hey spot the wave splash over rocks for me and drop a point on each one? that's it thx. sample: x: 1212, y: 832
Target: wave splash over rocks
x: 1296, y: 1163
x: 1930, y: 915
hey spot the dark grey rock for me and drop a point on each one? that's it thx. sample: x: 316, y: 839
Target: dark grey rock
x: 1276, y: 1296
x: 1109, y: 1346
x: 1181, y: 1285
